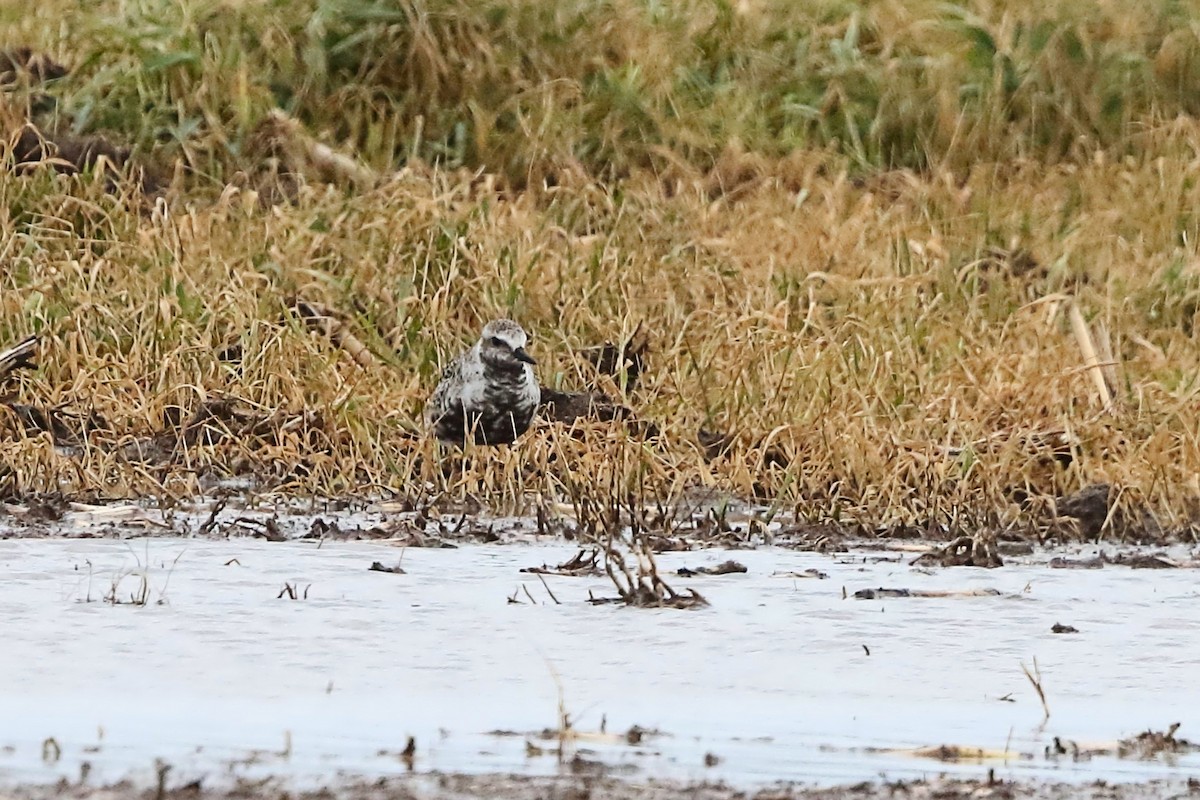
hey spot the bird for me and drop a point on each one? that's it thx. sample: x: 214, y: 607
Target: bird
x: 488, y: 393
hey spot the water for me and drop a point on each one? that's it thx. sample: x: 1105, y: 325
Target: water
x: 218, y: 676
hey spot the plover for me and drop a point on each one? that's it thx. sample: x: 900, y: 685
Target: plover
x: 489, y: 392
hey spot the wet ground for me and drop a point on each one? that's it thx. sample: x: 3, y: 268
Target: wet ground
x: 568, y: 787
x: 224, y: 660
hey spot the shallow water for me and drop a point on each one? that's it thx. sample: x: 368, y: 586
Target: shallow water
x: 218, y: 676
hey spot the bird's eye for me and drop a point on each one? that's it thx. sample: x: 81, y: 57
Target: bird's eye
x: 497, y: 341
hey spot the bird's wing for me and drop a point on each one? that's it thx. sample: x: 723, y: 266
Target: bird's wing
x: 443, y: 396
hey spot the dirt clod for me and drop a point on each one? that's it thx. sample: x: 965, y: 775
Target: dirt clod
x: 585, y: 563
x: 25, y: 62
x: 624, y: 362
x: 724, y: 568
x: 1150, y: 744
x: 566, y: 407
x: 1088, y: 508
x: 882, y: 593
x: 69, y: 154
x: 965, y: 551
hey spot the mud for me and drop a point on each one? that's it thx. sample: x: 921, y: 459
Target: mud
x: 703, y: 519
x: 599, y: 787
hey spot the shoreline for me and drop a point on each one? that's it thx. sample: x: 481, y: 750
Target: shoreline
x: 461, y: 786
x: 704, y: 518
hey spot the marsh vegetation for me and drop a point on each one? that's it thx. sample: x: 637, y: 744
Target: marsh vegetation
x: 914, y: 265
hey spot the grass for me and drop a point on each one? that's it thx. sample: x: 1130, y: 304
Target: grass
x: 142, y: 593
x: 529, y: 88
x: 855, y: 232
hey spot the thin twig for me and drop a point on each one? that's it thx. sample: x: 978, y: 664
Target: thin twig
x: 552, y: 597
x: 211, y: 522
x: 1035, y: 678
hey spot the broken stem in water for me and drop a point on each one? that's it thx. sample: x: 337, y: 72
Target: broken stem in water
x: 1035, y: 677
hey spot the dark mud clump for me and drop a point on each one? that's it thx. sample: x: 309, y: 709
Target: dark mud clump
x: 1150, y: 744
x: 71, y: 155
x: 284, y: 156
x: 724, y: 568
x: 24, y: 64
x: 623, y: 362
x: 585, y: 563
x: 885, y: 594
x: 37, y: 136
x: 965, y: 551
x: 1094, y: 512
x: 567, y: 407
x: 1131, y: 560
x: 717, y: 445
x: 1088, y: 509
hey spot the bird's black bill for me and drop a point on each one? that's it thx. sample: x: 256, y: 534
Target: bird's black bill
x: 523, y: 356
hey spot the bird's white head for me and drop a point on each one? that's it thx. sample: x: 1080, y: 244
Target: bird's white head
x: 502, y: 345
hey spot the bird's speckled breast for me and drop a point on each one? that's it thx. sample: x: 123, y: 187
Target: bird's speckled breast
x: 499, y: 410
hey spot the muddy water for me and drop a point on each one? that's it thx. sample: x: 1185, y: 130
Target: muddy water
x: 219, y: 676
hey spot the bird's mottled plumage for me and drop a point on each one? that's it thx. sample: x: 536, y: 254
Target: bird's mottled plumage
x: 488, y: 393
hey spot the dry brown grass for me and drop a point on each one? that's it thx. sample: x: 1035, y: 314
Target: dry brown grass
x: 876, y: 333
x: 884, y: 345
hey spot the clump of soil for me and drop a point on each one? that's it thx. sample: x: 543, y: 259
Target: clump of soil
x: 1150, y: 744
x: 1087, y: 509
x: 624, y: 363
x: 1094, y: 512
x: 35, y: 138
x: 567, y: 407
x: 23, y: 64
x: 965, y: 551
x: 883, y: 593
x: 729, y: 567
x: 585, y: 563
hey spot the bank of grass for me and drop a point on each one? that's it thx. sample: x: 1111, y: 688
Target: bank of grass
x: 854, y: 234
x: 522, y: 88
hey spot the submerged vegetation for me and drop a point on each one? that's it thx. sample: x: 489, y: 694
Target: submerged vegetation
x: 901, y: 264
